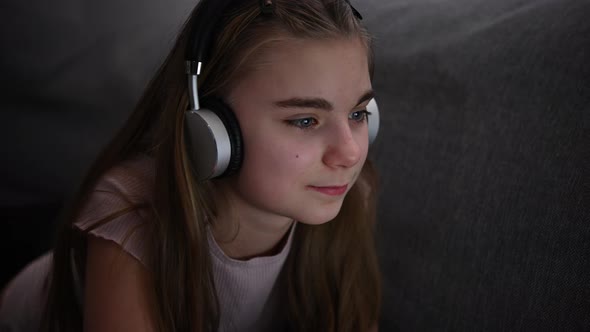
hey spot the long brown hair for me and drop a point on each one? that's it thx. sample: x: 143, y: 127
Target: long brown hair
x: 331, y: 278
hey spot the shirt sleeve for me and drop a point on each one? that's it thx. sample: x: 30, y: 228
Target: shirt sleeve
x: 118, y: 207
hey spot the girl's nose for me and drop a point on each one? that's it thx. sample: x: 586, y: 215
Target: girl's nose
x: 343, y: 149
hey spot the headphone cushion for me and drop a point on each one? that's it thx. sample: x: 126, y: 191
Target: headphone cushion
x: 227, y: 116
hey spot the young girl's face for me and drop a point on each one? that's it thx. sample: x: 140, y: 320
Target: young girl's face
x: 303, y: 120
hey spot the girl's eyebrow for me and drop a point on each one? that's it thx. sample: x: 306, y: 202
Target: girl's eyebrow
x: 370, y: 94
x: 318, y: 103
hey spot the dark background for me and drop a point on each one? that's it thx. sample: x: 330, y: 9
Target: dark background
x: 484, y: 147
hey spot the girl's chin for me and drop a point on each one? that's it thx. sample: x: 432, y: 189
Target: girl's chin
x: 318, y: 219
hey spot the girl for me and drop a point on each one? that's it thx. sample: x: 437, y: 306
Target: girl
x: 154, y: 242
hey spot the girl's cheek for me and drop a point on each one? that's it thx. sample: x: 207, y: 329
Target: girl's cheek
x: 302, y: 159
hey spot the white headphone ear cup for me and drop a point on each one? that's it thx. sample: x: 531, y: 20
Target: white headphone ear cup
x: 209, y: 143
x: 232, y: 127
x: 373, y: 120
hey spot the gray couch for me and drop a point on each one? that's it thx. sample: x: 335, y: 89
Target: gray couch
x: 484, y: 220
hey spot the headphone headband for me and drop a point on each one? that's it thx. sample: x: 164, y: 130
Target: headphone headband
x: 202, y: 32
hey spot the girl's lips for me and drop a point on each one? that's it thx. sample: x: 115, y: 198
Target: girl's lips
x: 332, y: 190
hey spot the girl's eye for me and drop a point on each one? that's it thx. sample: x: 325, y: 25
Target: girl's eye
x: 359, y: 116
x: 303, y: 123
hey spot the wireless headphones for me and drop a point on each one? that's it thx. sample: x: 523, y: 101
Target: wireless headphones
x: 212, y: 130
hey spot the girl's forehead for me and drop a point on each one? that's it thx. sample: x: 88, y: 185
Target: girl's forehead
x: 293, y: 49
x: 295, y: 57
x: 295, y: 68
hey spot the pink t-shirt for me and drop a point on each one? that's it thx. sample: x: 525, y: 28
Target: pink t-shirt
x: 246, y: 289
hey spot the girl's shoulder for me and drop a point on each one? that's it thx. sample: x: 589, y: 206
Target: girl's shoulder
x: 131, y: 179
x: 118, y: 208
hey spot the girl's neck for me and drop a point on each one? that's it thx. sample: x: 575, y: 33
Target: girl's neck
x: 243, y: 236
